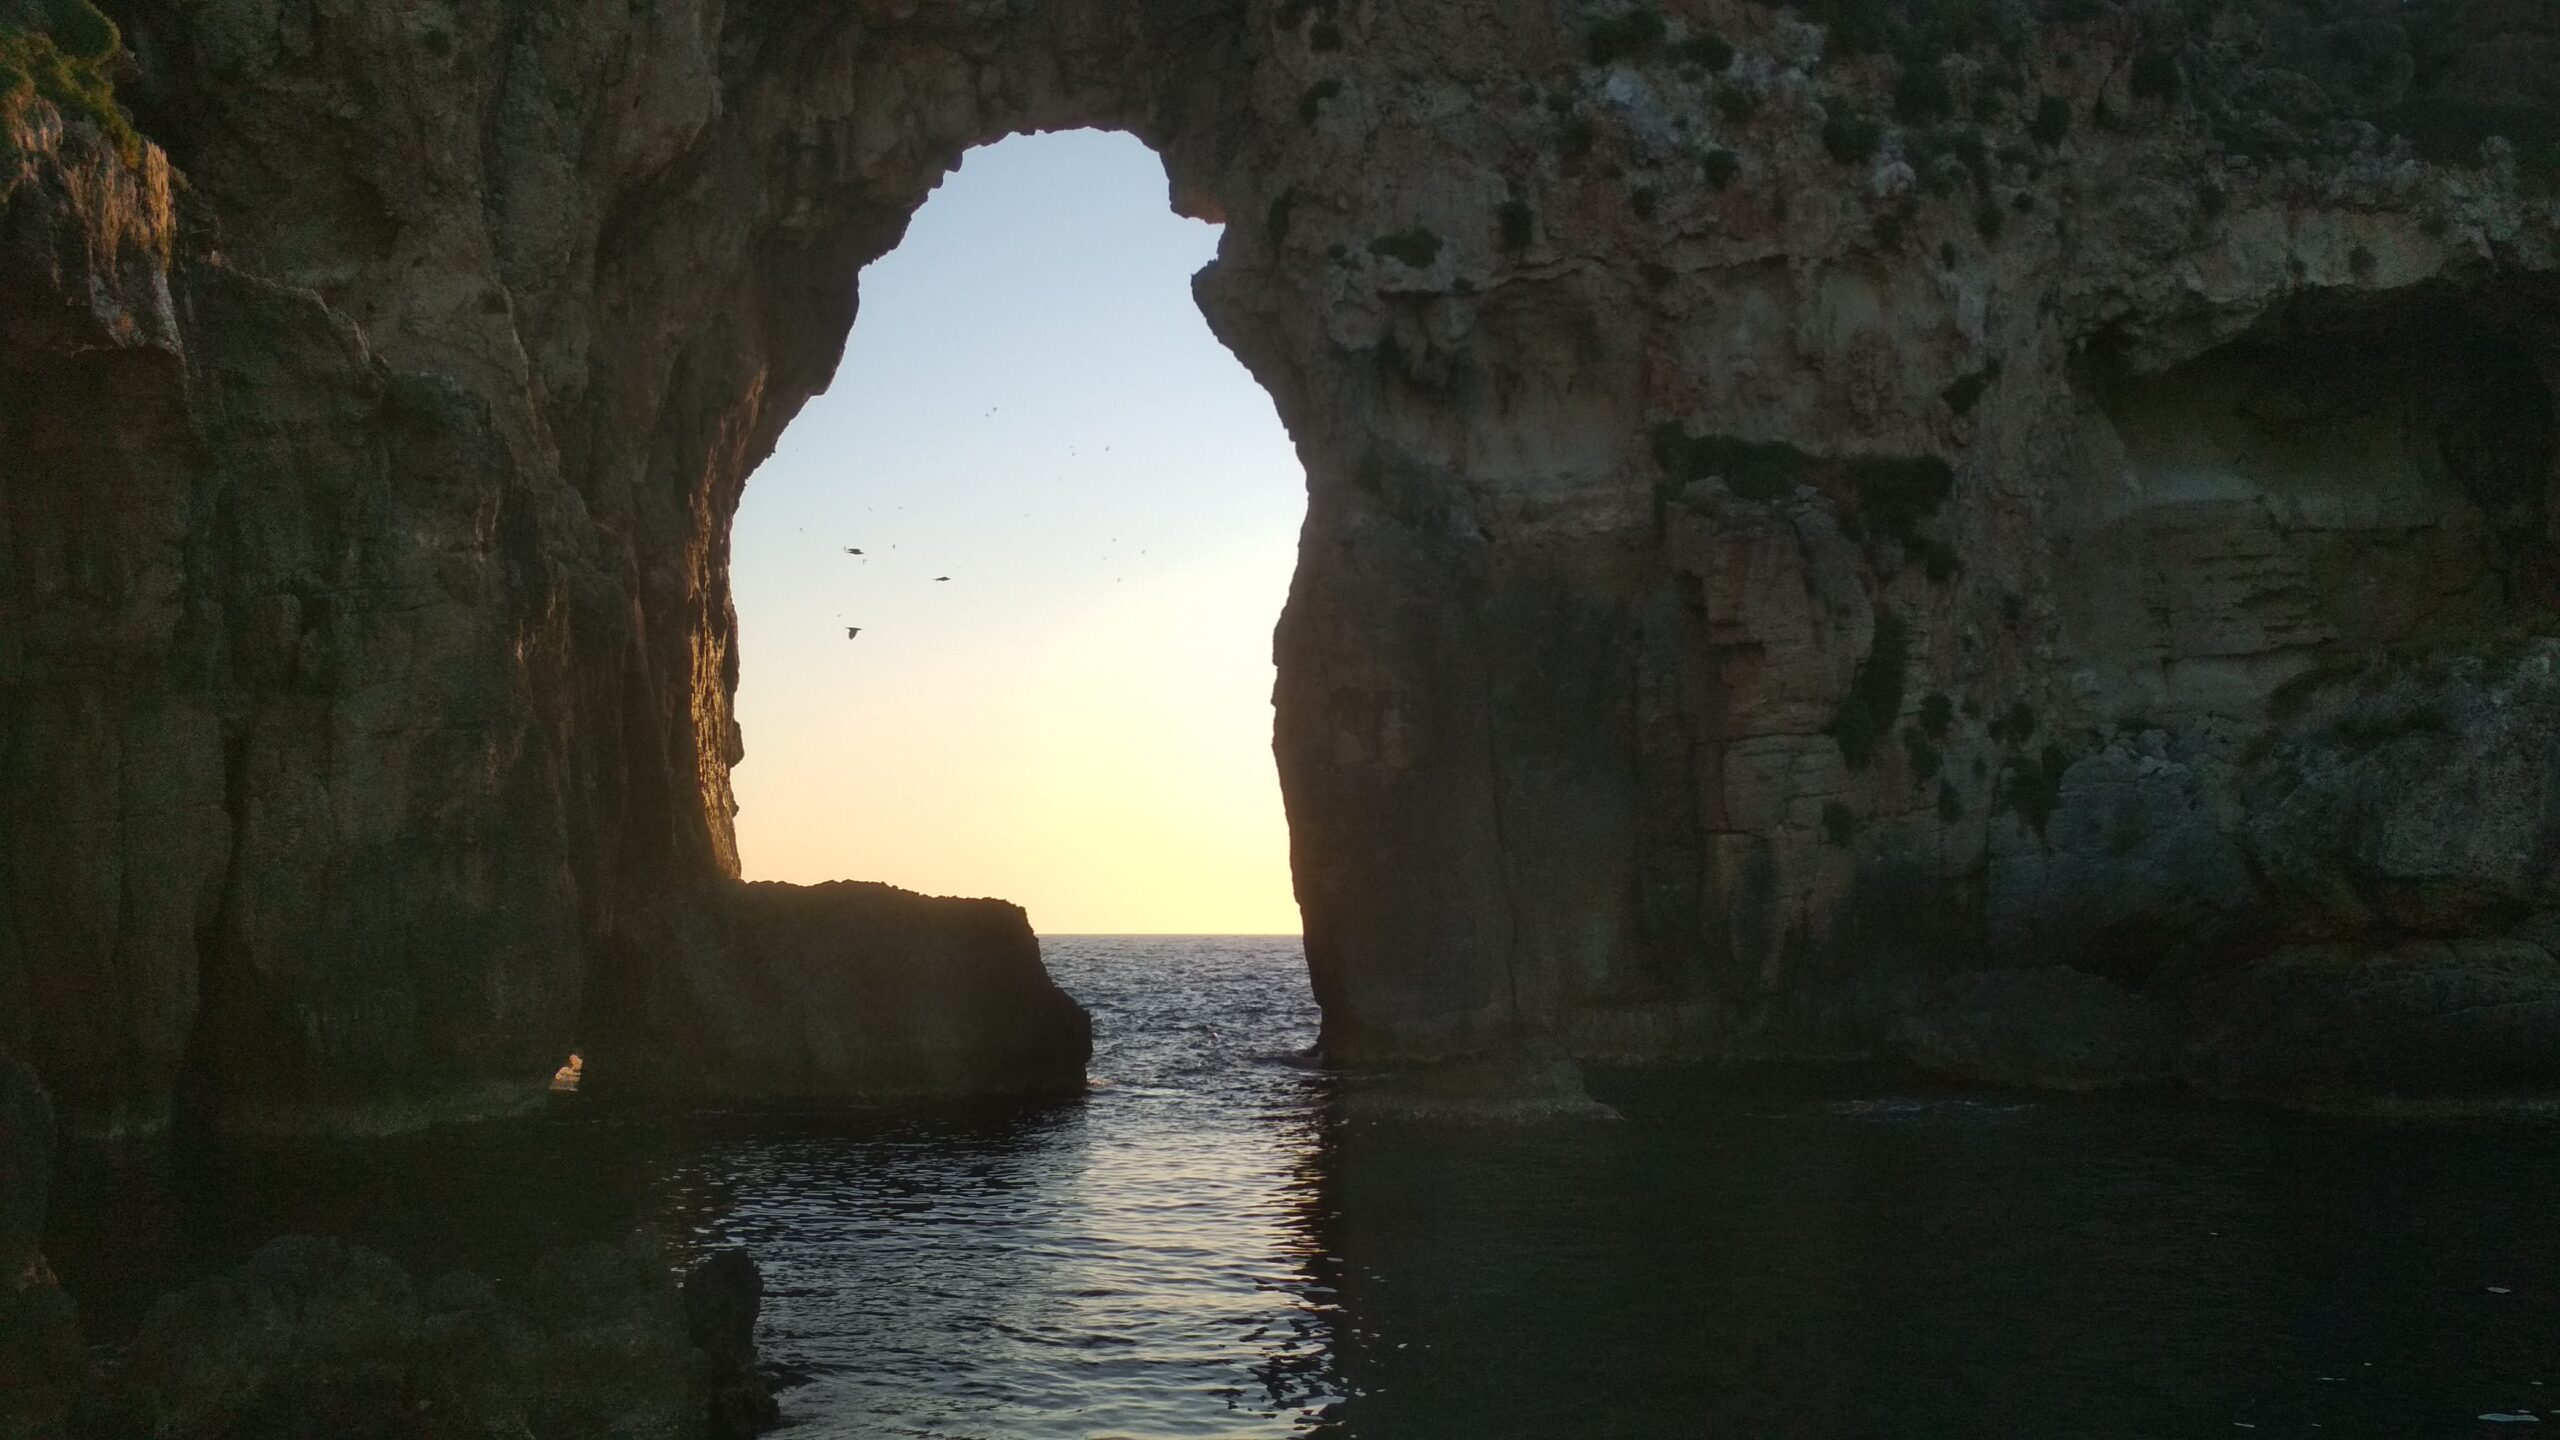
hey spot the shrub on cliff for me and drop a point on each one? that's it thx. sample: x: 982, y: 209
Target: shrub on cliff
x: 1916, y: 29
x: 1874, y: 701
x: 1625, y: 36
x: 1416, y: 248
x: 1851, y: 139
x: 2156, y: 76
x: 1896, y: 492
x: 1750, y: 469
x: 82, y: 31
x: 2033, y: 788
x: 59, y: 51
x: 1709, y: 51
x: 1921, y: 93
x: 2052, y: 124
x: 1311, y: 104
x: 2452, y: 131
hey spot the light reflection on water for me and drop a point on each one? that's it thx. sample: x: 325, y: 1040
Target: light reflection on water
x: 1197, y: 1250
x: 1138, y: 1265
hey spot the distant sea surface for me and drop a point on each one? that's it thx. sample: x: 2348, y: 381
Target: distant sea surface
x: 1197, y: 1250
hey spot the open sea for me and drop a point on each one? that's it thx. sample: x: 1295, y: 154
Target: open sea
x: 1198, y: 1249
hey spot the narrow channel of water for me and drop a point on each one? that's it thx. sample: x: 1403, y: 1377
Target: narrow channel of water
x: 1197, y: 1250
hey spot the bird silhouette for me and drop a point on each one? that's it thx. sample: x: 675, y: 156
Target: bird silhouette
x: 849, y: 550
x: 852, y: 630
x: 938, y: 579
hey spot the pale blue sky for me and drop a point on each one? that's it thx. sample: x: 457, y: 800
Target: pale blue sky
x: 1079, y: 720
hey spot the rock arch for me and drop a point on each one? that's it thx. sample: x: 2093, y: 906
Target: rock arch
x: 1700, y: 422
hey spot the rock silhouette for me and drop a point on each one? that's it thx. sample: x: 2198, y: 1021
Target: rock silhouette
x: 321, y: 1338
x: 1780, y: 536
x: 800, y: 994
x: 43, y: 1364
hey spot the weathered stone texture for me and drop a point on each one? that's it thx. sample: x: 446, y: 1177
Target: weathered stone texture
x: 319, y: 1337
x: 2056, y: 1028
x: 42, y: 1361
x: 1783, y: 532
x: 802, y: 994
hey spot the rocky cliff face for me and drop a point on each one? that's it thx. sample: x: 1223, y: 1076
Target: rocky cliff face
x: 1805, y: 501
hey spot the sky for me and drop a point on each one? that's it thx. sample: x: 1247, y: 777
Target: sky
x: 1079, y: 719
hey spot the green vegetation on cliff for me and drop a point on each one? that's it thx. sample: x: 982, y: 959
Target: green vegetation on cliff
x: 1866, y: 714
x: 1751, y: 469
x: 1625, y: 35
x: 61, y: 51
x: 1415, y: 248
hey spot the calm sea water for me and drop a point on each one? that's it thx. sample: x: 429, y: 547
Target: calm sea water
x: 1196, y: 1250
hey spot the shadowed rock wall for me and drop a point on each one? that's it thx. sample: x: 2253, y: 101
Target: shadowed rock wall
x: 802, y: 994
x: 1804, y: 502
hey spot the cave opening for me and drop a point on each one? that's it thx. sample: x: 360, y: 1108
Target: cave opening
x: 1006, y: 590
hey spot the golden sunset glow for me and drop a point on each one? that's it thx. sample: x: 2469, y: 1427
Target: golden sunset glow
x: 1078, y: 719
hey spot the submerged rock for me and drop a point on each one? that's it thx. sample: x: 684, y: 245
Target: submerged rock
x: 42, y: 1362
x: 26, y: 1164
x: 722, y: 1297
x: 315, y: 1339
x: 832, y: 994
x: 1512, y: 1086
x: 2424, y: 1019
x: 2054, y: 1028
x: 310, y: 1337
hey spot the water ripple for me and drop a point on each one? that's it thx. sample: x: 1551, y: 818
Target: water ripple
x: 1136, y: 1267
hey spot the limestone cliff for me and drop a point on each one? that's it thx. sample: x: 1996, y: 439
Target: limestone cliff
x: 1805, y: 501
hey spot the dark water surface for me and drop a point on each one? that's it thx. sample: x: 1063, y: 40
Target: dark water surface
x: 1196, y: 1251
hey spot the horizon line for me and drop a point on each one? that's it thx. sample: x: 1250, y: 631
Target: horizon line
x: 1170, y: 934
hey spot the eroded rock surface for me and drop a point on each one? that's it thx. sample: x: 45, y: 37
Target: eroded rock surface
x: 2054, y: 1028
x: 793, y: 995
x: 42, y: 1362
x: 2422, y: 1020
x: 316, y: 1337
x: 1805, y: 501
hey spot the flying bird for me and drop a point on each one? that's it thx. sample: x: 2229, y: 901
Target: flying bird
x: 849, y: 550
x: 852, y: 630
x: 938, y: 579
